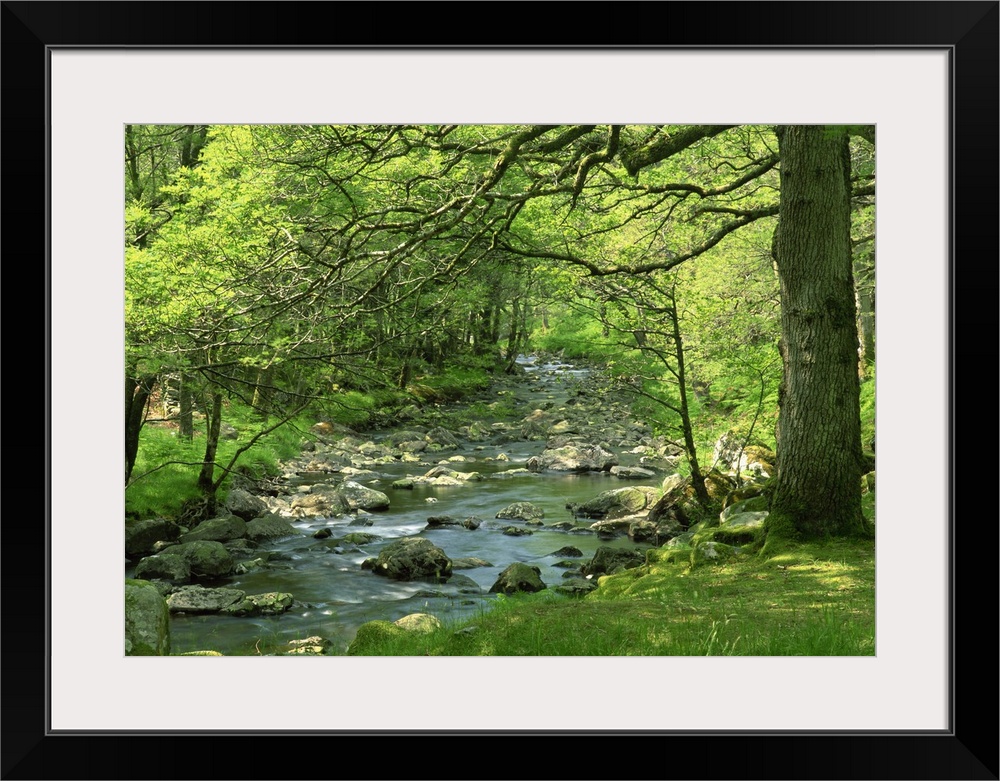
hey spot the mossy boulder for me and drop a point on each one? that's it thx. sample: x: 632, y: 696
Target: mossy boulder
x: 245, y: 505
x: 518, y: 577
x: 141, y: 536
x: 147, y: 620
x: 207, y: 558
x: 222, y: 529
x: 712, y: 552
x: 270, y: 527
x: 608, y: 560
x: 419, y: 622
x: 617, y: 503
x: 361, y: 497
x: 372, y: 636
x: 273, y: 603
x: 412, y: 558
x: 164, y: 566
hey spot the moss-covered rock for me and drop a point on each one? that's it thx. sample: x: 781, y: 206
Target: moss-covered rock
x: 518, y: 577
x: 412, y: 558
x: 164, y: 566
x: 147, y: 620
x: 270, y: 527
x: 222, y: 529
x: 142, y: 536
x: 372, y: 636
x: 419, y: 622
x: 608, y: 560
x: 712, y: 552
x: 206, y: 558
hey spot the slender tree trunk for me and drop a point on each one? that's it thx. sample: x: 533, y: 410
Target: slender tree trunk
x: 186, y: 402
x: 817, y: 491
x: 697, y: 478
x: 866, y: 325
x: 137, y: 393
x: 206, y: 481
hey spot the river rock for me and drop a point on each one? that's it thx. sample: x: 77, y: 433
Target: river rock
x: 222, y: 529
x: 521, y: 511
x: 419, y: 622
x: 469, y: 562
x: 164, y: 566
x: 141, y: 536
x: 363, y: 498
x: 207, y: 558
x: 608, y: 560
x: 518, y: 577
x: 573, y: 458
x: 197, y: 599
x: 270, y: 527
x: 617, y: 503
x: 322, y: 501
x: 576, y: 586
x: 272, y: 603
x: 442, y: 438
x: 147, y: 620
x: 632, y: 473
x: 412, y: 558
x: 244, y: 504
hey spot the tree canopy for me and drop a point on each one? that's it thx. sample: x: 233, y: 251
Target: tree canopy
x: 287, y: 265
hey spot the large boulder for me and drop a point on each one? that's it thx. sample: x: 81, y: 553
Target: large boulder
x: 147, y: 620
x: 372, y: 636
x: 207, y: 558
x: 141, y: 536
x: 223, y: 529
x: 617, y: 503
x: 413, y: 558
x: 360, y: 497
x: 244, y: 504
x: 518, y: 577
x: 164, y: 566
x: 419, y: 622
x: 198, y: 599
x: 608, y: 560
x: 322, y: 501
x: 573, y: 458
x: 270, y: 527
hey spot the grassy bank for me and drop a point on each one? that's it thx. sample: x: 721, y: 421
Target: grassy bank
x: 809, y: 600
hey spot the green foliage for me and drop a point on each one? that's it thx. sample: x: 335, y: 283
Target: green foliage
x: 165, y: 474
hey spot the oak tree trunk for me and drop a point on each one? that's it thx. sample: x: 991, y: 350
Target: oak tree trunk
x: 817, y: 491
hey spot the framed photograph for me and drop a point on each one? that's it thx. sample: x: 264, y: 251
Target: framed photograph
x: 923, y: 73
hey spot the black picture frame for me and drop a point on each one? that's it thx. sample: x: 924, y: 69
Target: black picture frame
x: 969, y: 30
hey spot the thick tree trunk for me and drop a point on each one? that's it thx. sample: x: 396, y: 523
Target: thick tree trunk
x: 817, y: 492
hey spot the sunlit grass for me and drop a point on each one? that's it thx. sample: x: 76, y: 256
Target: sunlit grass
x: 812, y: 600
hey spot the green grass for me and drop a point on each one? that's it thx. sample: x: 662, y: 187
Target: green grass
x: 160, y: 487
x: 809, y: 600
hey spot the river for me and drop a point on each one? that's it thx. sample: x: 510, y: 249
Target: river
x: 334, y: 596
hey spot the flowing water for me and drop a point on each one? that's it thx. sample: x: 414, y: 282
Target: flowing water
x: 334, y: 596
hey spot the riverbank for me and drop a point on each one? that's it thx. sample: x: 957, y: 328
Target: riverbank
x: 588, y: 482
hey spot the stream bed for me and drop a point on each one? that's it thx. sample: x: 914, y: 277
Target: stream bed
x: 334, y: 595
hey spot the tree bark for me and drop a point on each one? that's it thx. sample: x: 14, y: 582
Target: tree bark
x: 206, y: 479
x: 817, y: 491
x: 137, y: 393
